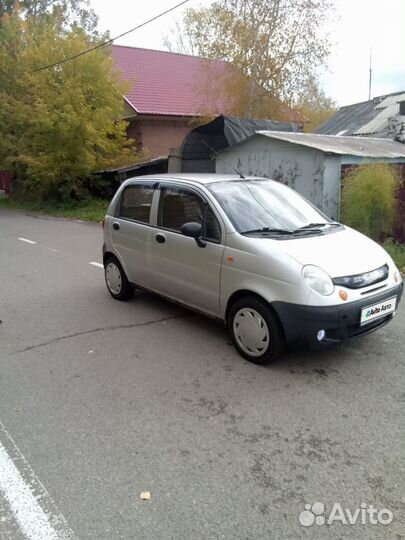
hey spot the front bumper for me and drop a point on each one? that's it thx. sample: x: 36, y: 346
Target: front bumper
x: 302, y: 323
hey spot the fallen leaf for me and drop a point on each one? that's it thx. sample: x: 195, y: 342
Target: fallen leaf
x: 145, y: 495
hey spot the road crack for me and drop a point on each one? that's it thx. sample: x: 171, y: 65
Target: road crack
x: 95, y: 330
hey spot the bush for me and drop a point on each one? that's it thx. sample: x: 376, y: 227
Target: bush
x: 87, y: 209
x: 369, y: 199
x: 397, y: 252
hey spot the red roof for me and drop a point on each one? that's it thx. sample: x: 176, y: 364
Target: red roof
x: 171, y: 84
x: 165, y: 83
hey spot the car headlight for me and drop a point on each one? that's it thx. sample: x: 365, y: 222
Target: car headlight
x: 318, y: 280
x: 397, y: 275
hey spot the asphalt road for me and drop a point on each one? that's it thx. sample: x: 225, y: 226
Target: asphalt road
x: 102, y: 400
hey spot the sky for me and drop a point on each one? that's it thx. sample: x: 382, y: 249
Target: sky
x: 357, y: 27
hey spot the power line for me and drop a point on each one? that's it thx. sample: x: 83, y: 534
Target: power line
x: 73, y: 57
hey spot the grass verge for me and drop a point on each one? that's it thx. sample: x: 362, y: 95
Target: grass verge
x: 89, y: 209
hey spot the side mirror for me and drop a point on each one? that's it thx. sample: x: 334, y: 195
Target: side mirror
x: 194, y: 230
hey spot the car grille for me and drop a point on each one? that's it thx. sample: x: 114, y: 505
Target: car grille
x: 358, y: 281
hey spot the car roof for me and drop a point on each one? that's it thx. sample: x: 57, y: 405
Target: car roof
x: 195, y: 178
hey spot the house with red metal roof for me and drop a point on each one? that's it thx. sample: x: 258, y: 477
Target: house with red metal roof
x: 168, y: 91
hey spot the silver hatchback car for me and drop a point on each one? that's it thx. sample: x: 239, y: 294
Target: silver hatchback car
x: 250, y: 252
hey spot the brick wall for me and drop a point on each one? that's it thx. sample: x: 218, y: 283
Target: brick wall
x: 158, y: 135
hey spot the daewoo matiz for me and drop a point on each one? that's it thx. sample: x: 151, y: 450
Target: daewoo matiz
x: 251, y: 252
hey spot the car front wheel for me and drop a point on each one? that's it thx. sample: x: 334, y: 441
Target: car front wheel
x: 255, y: 330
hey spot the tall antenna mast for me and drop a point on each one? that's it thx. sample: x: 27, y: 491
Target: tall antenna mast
x: 371, y: 71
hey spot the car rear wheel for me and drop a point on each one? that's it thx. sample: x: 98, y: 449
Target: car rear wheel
x: 116, y: 280
x: 255, y: 330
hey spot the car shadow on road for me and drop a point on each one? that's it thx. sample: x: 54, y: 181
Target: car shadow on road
x: 338, y: 363
x: 321, y: 363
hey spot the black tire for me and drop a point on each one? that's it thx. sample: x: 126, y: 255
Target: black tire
x: 117, y: 282
x: 249, y: 317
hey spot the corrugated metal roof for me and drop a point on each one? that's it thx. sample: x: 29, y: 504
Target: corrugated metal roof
x: 391, y: 100
x: 166, y: 83
x: 353, y: 146
x: 378, y: 123
x: 358, y: 119
x: 135, y: 166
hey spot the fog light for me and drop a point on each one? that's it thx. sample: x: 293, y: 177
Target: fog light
x: 320, y: 335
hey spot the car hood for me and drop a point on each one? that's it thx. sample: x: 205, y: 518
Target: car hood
x: 340, y: 253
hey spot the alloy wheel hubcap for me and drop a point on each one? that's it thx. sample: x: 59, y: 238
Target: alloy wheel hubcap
x: 251, y: 332
x: 113, y: 278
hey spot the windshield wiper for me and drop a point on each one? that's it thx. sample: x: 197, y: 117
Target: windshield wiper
x: 310, y: 228
x: 267, y: 230
x: 316, y: 225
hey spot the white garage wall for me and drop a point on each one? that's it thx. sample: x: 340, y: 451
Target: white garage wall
x: 331, y: 187
x: 306, y: 170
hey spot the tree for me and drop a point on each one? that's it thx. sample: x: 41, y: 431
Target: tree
x: 60, y: 124
x: 369, y: 199
x: 179, y: 40
x: 72, y: 12
x: 315, y: 105
x: 6, y: 7
x: 275, y: 46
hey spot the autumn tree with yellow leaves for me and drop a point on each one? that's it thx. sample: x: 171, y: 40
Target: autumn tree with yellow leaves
x: 276, y: 47
x: 59, y: 124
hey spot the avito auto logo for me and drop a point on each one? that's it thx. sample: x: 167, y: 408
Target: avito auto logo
x: 375, y: 311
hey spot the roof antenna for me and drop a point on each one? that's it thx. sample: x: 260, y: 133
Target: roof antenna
x: 371, y: 71
x: 226, y: 163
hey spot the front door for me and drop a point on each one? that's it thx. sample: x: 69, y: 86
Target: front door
x: 178, y: 267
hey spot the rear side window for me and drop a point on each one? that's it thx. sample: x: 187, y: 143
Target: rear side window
x: 136, y: 202
x: 179, y: 206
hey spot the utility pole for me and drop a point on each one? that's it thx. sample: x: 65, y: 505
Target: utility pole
x: 369, y: 79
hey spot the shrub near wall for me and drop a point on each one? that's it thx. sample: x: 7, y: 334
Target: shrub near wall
x: 399, y: 225
x: 369, y: 201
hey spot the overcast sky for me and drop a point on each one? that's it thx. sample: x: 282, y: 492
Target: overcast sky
x: 358, y: 26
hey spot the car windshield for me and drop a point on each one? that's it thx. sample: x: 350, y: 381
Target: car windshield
x: 266, y: 206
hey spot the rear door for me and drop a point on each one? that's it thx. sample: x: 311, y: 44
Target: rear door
x: 178, y: 267
x: 130, y: 227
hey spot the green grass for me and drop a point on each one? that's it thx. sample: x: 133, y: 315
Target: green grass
x: 397, y: 252
x: 89, y: 209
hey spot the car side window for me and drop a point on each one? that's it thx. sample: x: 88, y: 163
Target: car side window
x: 136, y: 202
x: 179, y: 206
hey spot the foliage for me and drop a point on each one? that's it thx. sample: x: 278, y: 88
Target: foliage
x: 86, y: 209
x: 275, y: 46
x: 397, y: 252
x: 369, y: 199
x: 315, y: 105
x: 180, y: 40
x: 72, y: 12
x: 59, y: 124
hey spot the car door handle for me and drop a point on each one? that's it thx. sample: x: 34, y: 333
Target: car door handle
x: 116, y: 226
x: 160, y: 238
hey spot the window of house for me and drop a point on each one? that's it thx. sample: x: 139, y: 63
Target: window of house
x: 180, y: 206
x: 136, y: 202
